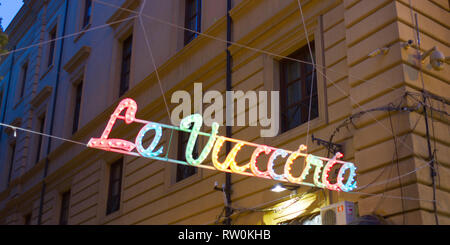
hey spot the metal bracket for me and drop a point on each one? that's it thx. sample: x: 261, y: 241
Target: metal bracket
x: 332, y: 147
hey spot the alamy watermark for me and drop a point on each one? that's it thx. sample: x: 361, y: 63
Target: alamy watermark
x: 257, y: 101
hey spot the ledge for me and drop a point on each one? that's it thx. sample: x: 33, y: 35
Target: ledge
x: 76, y: 59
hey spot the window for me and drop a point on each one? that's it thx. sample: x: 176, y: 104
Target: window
x: 184, y: 171
x: 126, y: 64
x: 27, y: 219
x: 296, y: 80
x: 11, y: 161
x: 192, y: 21
x: 77, y: 106
x: 1, y: 100
x: 41, y: 124
x: 115, y: 184
x: 65, y: 204
x: 51, y: 51
x: 23, y: 79
x: 87, y: 12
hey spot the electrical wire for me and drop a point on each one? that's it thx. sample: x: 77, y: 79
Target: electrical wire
x: 257, y: 50
x: 236, y: 44
x: 67, y: 36
x: 397, y: 164
x: 313, y: 70
x: 373, y: 183
x: 149, y: 48
x: 43, y: 134
x: 83, y: 144
x: 134, y: 17
x: 419, y: 63
x: 98, y: 27
x: 250, y: 48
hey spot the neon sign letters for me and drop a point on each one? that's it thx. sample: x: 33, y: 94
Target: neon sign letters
x: 192, y: 125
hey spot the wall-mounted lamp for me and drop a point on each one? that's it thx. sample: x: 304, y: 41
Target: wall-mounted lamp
x: 408, y: 44
x: 279, y: 187
x: 383, y: 51
x: 437, y: 58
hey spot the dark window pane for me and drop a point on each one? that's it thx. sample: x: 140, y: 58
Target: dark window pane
x: 296, y: 80
x: 65, y: 204
x: 184, y: 171
x: 51, y: 53
x: 193, y: 10
x: 294, y: 92
x: 41, y: 124
x: 24, y: 79
x: 126, y: 65
x: 87, y: 12
x: 293, y: 71
x: 115, y: 183
x: 27, y: 219
x: 294, y: 116
x: 77, y: 106
x: 11, y: 163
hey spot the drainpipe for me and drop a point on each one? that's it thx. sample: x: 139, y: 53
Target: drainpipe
x: 52, y: 118
x: 6, y: 103
x: 228, y: 209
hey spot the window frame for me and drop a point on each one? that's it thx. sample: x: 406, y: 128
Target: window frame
x: 304, y: 95
x: 110, y: 197
x: 52, y: 45
x: 12, y: 158
x: 87, y: 18
x: 124, y: 84
x: 41, y: 119
x: 78, y: 99
x: 27, y: 219
x: 183, y: 138
x: 23, y: 78
x: 65, y: 208
x: 189, y: 36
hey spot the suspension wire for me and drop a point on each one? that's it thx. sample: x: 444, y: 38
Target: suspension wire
x: 373, y: 183
x: 149, y: 48
x: 199, y: 33
x: 397, y: 164
x: 83, y: 144
x: 237, y: 44
x: 161, y: 21
x: 67, y: 36
x: 43, y: 134
x: 313, y: 70
x: 415, y: 21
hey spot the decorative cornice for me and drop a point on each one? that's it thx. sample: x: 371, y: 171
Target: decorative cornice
x: 17, y: 122
x: 78, y: 58
x: 122, y: 14
x: 41, y: 96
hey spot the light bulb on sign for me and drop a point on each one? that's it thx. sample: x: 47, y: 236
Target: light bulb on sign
x: 271, y: 164
x: 149, y: 151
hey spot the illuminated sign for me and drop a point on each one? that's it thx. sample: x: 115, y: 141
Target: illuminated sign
x: 192, y: 125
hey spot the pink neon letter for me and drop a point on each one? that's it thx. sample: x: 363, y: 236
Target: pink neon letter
x: 254, y: 158
x: 118, y: 144
x: 326, y: 173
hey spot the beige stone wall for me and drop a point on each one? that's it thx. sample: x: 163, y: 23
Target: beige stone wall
x: 344, y: 32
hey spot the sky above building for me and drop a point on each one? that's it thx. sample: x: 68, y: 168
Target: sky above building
x: 9, y: 9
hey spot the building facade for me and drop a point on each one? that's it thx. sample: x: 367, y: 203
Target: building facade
x: 75, y: 60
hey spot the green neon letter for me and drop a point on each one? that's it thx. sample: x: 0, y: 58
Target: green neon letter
x: 185, y: 124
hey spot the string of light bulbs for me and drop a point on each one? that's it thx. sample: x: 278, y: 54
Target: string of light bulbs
x: 193, y: 31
